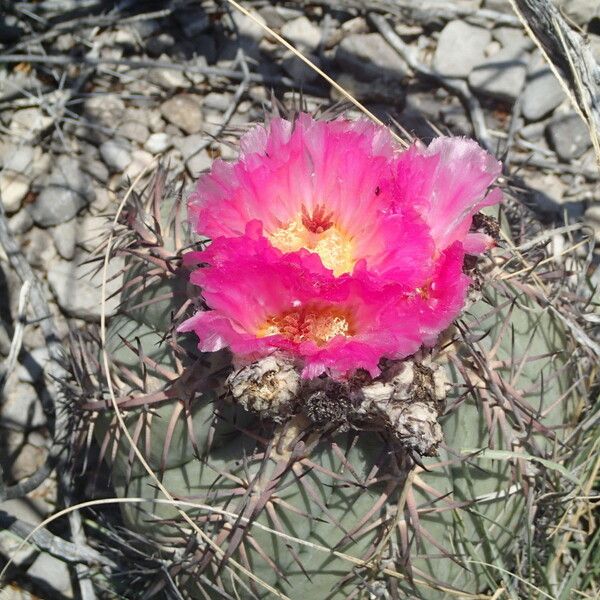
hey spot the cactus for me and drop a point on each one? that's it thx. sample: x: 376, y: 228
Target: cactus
x: 315, y: 495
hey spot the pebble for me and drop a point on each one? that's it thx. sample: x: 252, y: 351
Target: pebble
x: 169, y: 79
x: 21, y: 164
x: 569, y: 136
x: 380, y: 90
x: 198, y: 163
x: 31, y: 369
x: 460, y: 47
x: 184, y: 112
x: 542, y: 94
x: 13, y: 188
x: 159, y: 44
x: 302, y: 33
x: 369, y: 56
x: 298, y: 70
x: 28, y: 123
x: 157, y: 143
x: 502, y: 75
x: 21, y: 407
x: 65, y: 192
x: 247, y: 27
x: 512, y: 38
x: 104, y: 109
x: 134, y: 131
x: 217, y: 101
x: 65, y: 238
x: 140, y: 159
x: 52, y: 573
x: 20, y: 223
x: 116, y: 154
x: 193, y: 20
x: 580, y: 11
x: 96, y: 168
x: 38, y: 247
x: 190, y: 144
x: 592, y: 218
x: 64, y: 277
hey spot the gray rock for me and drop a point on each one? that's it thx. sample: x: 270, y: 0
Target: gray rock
x: 190, y: 144
x: 21, y: 164
x: 581, y: 11
x: 157, y: 45
x: 184, y: 112
x: 13, y: 189
x: 379, y: 90
x: 28, y: 123
x: 502, y: 75
x: 247, y: 27
x: 116, y: 154
x: 198, y: 163
x: 592, y: 218
x: 569, y: 136
x: 38, y: 247
x: 106, y: 110
x: 96, y: 168
x: 52, y: 573
x: 169, y: 79
x: 193, y: 20
x: 20, y: 223
x: 135, y: 131
x: 368, y: 56
x: 460, y: 47
x: 298, y: 70
x: 22, y: 408
x: 65, y: 238
x: 302, y: 33
x: 20, y: 159
x: 140, y: 159
x: 157, y: 143
x: 512, y: 38
x: 31, y: 369
x: 532, y: 132
x: 217, y: 101
x: 65, y: 192
x: 77, y: 288
x: 542, y: 93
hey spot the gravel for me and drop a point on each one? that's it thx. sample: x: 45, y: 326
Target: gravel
x: 65, y: 192
x: 460, y: 47
x: 368, y: 56
x: 542, y: 94
x: 302, y: 33
x: 184, y: 112
x: 65, y: 238
x: 116, y: 154
x: 502, y: 75
x: 157, y: 143
x: 569, y: 136
x: 64, y: 277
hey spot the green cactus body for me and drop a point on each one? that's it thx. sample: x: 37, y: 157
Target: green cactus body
x: 352, y: 518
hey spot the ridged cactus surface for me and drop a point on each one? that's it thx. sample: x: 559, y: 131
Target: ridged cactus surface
x: 331, y: 512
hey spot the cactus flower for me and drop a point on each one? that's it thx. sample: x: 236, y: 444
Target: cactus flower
x: 333, y: 245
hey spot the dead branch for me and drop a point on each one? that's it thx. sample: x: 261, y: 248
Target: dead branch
x: 52, y: 544
x: 569, y: 56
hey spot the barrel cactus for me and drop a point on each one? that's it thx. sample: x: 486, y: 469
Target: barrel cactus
x: 416, y: 475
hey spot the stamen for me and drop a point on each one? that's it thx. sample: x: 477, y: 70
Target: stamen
x: 318, y: 324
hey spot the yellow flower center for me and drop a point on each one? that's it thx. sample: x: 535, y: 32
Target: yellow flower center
x: 318, y: 324
x: 316, y: 233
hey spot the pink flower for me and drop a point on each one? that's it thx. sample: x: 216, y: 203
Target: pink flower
x: 317, y: 185
x: 331, y: 245
x: 263, y: 302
